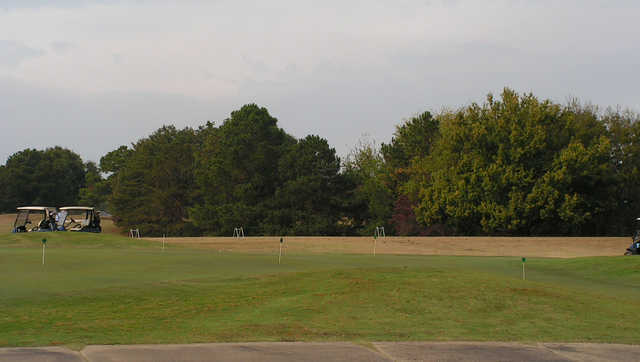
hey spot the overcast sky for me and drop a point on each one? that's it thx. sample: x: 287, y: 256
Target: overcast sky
x: 93, y: 75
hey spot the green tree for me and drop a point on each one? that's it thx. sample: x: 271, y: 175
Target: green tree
x: 237, y: 173
x: 153, y: 188
x: 365, y: 166
x: 414, y: 138
x: 115, y: 160
x: 110, y: 164
x: 575, y: 190
x: 623, y: 129
x: 412, y: 141
x: 34, y: 177
x: 96, y: 189
x: 309, y: 198
x: 6, y: 204
x: 515, y: 166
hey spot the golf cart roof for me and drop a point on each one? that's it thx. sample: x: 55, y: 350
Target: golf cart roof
x: 35, y: 208
x: 76, y: 208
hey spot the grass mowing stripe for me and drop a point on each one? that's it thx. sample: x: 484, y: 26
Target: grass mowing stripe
x: 78, y: 269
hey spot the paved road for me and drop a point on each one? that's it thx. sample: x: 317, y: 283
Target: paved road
x: 297, y: 351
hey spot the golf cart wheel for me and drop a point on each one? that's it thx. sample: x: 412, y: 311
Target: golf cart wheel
x: 627, y: 253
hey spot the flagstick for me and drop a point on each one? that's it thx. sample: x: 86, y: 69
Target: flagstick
x: 375, y: 239
x: 280, y: 253
x: 44, y: 244
x: 163, y: 242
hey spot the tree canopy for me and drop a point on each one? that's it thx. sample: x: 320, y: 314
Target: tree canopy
x: 41, y: 177
x: 237, y: 171
x: 153, y: 186
x: 516, y: 165
x: 310, y: 197
x: 512, y: 165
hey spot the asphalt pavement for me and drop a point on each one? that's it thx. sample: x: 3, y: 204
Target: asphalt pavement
x: 341, y: 351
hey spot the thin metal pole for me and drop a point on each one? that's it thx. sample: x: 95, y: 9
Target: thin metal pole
x: 43, y: 246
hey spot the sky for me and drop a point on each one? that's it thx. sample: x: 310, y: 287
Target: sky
x: 91, y: 75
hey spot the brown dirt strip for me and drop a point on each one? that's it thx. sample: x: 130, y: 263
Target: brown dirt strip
x: 555, y: 247
x: 6, y: 222
x: 558, y: 247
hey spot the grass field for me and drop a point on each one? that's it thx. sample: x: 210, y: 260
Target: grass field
x: 105, y: 289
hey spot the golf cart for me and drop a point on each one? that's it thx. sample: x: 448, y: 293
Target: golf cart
x: 35, y: 218
x: 79, y: 218
x: 634, y: 249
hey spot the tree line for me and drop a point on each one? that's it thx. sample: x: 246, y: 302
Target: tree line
x: 512, y: 165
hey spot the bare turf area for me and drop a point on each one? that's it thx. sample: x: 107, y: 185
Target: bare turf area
x: 556, y: 247
x: 6, y: 222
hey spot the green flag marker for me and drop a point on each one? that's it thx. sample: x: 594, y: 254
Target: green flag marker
x: 44, y: 241
x: 524, y: 259
x: 281, y: 241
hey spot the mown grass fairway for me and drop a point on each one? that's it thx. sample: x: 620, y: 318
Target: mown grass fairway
x: 104, y: 289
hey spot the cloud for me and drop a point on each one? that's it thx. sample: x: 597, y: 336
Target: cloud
x: 22, y: 4
x: 61, y: 47
x: 338, y: 69
x: 13, y: 54
x: 91, y: 124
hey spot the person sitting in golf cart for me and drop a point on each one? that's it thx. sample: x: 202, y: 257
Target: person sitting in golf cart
x: 634, y: 249
x: 34, y: 218
x: 79, y: 218
x: 61, y: 216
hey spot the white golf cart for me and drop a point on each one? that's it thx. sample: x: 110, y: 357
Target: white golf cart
x: 35, y: 218
x: 79, y: 218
